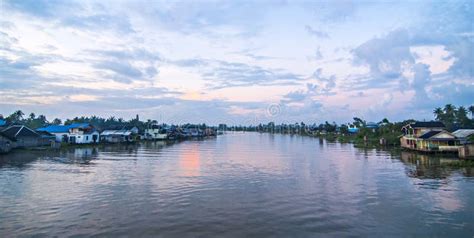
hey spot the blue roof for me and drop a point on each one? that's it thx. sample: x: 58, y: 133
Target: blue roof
x: 63, y: 129
x: 2, y: 122
x: 353, y: 130
x: 372, y: 125
x: 54, y: 129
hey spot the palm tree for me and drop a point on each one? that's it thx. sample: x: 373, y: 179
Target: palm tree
x: 461, y: 116
x: 438, y: 113
x: 471, y: 110
x: 16, y: 117
x: 449, y: 109
x: 449, y: 115
x: 56, y: 121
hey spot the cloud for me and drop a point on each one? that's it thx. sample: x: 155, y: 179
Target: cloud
x: 42, y: 8
x: 99, y: 22
x: 122, y: 62
x: 385, y: 56
x: 421, y: 80
x: 331, y: 12
x: 327, y: 83
x: 295, y: 96
x: 120, y: 68
x: 222, y: 74
x: 317, y: 33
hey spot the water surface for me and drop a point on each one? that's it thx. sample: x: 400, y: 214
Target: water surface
x: 236, y: 185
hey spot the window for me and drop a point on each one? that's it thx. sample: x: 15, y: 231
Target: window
x: 87, y: 137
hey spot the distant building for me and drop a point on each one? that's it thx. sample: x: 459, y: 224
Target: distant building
x: 118, y: 136
x: 428, y: 137
x: 156, y: 132
x: 352, y: 128
x: 76, y: 133
x: 464, y: 135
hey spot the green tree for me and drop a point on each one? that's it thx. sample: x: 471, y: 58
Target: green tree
x: 57, y: 121
x: 439, y: 114
x: 461, y: 117
x: 471, y: 110
x: 358, y: 122
x: 16, y: 117
x: 449, y: 117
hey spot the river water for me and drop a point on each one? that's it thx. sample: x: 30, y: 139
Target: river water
x: 235, y: 185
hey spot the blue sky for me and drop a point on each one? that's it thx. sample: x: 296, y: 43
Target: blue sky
x: 236, y: 62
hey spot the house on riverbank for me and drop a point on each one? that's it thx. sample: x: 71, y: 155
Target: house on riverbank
x: 26, y: 137
x: 119, y: 136
x: 157, y: 132
x: 428, y: 137
x: 464, y: 135
x: 77, y: 133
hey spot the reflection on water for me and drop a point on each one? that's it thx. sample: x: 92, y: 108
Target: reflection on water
x: 236, y: 185
x: 190, y: 161
x: 431, y: 166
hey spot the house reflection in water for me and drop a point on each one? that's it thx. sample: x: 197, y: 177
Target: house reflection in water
x: 425, y: 166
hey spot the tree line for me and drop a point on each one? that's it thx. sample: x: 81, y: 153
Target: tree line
x: 453, y: 117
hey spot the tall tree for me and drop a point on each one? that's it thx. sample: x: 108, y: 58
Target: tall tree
x: 471, y: 110
x: 461, y: 117
x: 16, y: 117
x: 449, y: 117
x: 439, y: 113
x: 57, y: 121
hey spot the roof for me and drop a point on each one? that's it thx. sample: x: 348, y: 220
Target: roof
x: 428, y: 124
x: 80, y: 125
x: 371, y: 125
x: 54, y: 129
x: 19, y: 130
x: 7, y: 136
x: 463, y: 133
x: 116, y: 132
x: 429, y: 134
x: 63, y: 129
x: 44, y: 133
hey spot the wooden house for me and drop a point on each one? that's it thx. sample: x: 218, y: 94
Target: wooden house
x: 24, y: 136
x: 428, y: 137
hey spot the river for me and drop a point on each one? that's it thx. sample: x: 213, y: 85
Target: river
x: 235, y: 185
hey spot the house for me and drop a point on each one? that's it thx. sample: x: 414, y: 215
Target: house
x: 156, y: 132
x: 117, y: 136
x: 60, y: 132
x: 418, y: 128
x: 464, y: 135
x: 428, y: 137
x: 352, y: 128
x: 76, y: 133
x: 24, y: 136
x: 47, y: 138
x: 6, y: 143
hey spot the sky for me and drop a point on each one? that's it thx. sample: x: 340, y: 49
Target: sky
x: 236, y: 62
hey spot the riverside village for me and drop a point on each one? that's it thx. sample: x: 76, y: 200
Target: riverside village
x: 451, y: 133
